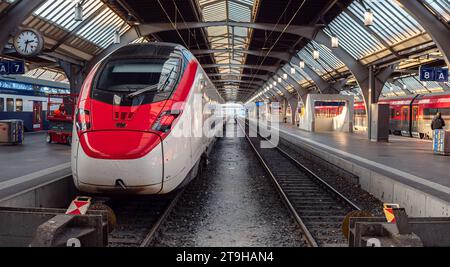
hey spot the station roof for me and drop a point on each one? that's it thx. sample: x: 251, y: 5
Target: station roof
x: 243, y: 59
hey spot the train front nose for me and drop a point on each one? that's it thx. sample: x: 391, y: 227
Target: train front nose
x: 122, y: 161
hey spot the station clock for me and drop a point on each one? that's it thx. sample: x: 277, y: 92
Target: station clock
x: 28, y: 42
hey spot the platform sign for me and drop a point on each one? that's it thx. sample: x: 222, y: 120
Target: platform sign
x: 17, y: 67
x: 426, y: 74
x: 433, y: 74
x: 441, y: 75
x: 4, y: 67
x: 259, y: 104
x: 12, y: 67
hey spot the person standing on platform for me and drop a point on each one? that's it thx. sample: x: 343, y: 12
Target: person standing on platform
x: 438, y: 122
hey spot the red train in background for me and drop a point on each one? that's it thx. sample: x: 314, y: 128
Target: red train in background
x: 410, y: 115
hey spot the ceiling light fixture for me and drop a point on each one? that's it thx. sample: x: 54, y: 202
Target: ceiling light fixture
x: 78, y: 11
x: 368, y: 17
x: 302, y: 64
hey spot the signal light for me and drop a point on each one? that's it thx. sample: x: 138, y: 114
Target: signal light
x: 164, y: 122
x: 83, y: 120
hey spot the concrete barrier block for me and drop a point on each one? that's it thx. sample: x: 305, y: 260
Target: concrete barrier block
x: 400, y: 195
x: 382, y: 187
x: 436, y: 208
x: 27, y: 199
x: 364, y: 176
x: 346, y: 165
x: 415, y: 202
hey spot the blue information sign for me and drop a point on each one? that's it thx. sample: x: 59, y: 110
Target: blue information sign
x: 4, y: 67
x: 426, y: 74
x: 12, y: 67
x: 433, y: 74
x: 441, y: 75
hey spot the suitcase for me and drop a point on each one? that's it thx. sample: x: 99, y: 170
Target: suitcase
x: 11, y: 132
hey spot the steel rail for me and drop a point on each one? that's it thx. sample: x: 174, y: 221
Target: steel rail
x: 308, y: 236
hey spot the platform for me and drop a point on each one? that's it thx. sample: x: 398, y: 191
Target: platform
x: 32, y: 163
x: 403, y: 171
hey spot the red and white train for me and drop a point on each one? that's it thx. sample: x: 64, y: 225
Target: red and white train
x: 140, y: 120
x: 411, y: 115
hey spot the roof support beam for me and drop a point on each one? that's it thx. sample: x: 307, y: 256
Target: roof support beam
x: 126, y: 38
x: 372, y: 32
x: 317, y: 79
x: 77, y: 28
x: 434, y: 27
x: 360, y: 71
x: 301, y: 92
x: 250, y: 89
x: 272, y: 69
x: 147, y: 29
x: 14, y: 18
x: 284, y: 56
x: 260, y: 83
x: 237, y: 75
x: 74, y: 74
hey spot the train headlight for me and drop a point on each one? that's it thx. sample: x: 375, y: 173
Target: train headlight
x: 165, y: 121
x: 83, y: 120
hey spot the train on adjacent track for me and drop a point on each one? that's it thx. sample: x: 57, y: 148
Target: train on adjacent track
x: 410, y: 115
x: 140, y: 121
x: 26, y: 99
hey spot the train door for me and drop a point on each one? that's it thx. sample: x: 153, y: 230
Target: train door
x: 415, y: 121
x: 405, y: 121
x: 37, y: 116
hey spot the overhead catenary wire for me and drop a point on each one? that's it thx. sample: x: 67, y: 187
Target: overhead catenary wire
x: 270, y: 34
x: 279, y: 37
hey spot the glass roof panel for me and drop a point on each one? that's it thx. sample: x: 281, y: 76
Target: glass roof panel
x: 98, y: 25
x: 47, y: 74
x: 353, y: 37
x: 441, y: 8
x: 391, y: 23
x: 227, y: 37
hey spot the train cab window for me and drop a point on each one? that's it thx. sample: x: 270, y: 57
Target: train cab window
x: 19, y: 105
x: 2, y: 104
x: 10, y: 105
x: 152, y: 79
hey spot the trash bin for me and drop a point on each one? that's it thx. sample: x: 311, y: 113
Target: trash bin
x: 11, y: 132
x: 441, y: 142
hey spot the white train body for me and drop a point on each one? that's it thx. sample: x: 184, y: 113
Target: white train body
x: 155, y: 147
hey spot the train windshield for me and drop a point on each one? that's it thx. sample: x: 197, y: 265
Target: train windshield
x: 149, y: 80
x: 133, y: 75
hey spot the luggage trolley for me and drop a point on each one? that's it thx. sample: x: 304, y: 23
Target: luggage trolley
x: 60, y: 115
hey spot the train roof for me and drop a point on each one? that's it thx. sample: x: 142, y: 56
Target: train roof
x: 158, y: 49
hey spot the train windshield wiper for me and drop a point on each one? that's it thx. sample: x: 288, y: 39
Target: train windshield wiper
x: 166, y: 80
x: 144, y: 90
x: 151, y: 87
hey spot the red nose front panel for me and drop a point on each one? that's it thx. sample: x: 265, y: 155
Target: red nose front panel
x: 118, y: 144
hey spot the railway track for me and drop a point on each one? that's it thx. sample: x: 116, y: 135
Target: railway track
x: 138, y: 219
x: 318, y: 208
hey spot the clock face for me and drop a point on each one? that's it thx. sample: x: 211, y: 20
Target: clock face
x: 28, y: 43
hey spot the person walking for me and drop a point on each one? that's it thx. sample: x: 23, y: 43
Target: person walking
x: 438, y: 122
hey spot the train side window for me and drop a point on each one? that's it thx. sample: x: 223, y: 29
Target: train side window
x: 9, y: 104
x: 392, y: 113
x: 2, y: 104
x: 19, y: 105
x: 445, y: 111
